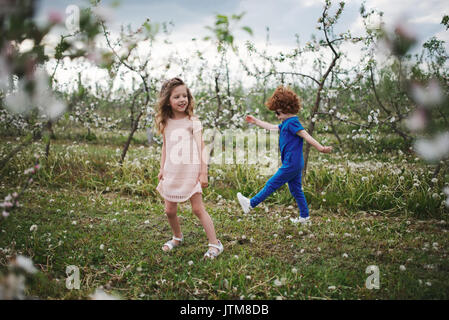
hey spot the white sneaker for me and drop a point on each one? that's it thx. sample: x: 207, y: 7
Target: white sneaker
x: 300, y: 220
x: 244, y: 202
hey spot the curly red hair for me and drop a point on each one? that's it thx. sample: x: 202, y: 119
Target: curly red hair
x: 285, y: 100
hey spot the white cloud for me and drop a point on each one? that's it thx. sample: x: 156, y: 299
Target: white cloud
x: 312, y: 3
x: 410, y: 11
x: 430, y: 18
x: 443, y: 35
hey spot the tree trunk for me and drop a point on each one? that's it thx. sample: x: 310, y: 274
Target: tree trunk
x: 217, y: 114
x: 135, y: 122
x: 128, y: 142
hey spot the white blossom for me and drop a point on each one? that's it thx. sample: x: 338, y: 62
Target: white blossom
x: 279, y: 283
x: 446, y: 192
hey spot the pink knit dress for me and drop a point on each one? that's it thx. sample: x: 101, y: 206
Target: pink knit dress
x: 182, y: 161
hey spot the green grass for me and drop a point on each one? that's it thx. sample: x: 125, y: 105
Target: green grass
x: 81, y: 200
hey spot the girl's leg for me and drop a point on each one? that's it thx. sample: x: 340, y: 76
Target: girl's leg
x: 171, y: 209
x: 275, y: 182
x: 295, y: 186
x: 198, y: 209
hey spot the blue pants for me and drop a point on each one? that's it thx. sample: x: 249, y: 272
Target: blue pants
x: 293, y: 177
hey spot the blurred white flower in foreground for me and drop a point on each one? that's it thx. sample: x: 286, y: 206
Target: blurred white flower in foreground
x: 428, y: 96
x: 12, y: 285
x: 101, y: 295
x: 417, y: 121
x: 26, y: 45
x: 48, y: 104
x: 103, y: 13
x: 433, y: 149
x: 25, y: 263
x: 20, y: 101
x: 4, y: 74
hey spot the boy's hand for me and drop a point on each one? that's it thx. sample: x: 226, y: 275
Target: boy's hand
x: 326, y: 149
x: 203, y: 180
x: 250, y: 119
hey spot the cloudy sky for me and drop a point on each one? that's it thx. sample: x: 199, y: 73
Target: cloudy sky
x: 284, y: 18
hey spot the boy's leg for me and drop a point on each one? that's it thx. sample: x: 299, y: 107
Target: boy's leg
x: 295, y: 187
x: 282, y: 176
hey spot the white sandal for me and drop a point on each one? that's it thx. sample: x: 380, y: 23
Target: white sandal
x: 212, y: 253
x: 171, y: 244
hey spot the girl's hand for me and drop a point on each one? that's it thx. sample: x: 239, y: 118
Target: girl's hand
x: 160, y: 175
x: 250, y: 119
x: 326, y: 149
x: 203, y: 180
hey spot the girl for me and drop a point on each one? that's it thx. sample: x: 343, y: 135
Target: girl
x: 285, y: 103
x: 183, y: 166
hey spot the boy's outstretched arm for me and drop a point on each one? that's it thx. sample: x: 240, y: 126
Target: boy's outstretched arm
x: 261, y: 123
x: 303, y: 134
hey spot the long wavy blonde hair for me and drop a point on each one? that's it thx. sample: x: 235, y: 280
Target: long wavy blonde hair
x: 164, y: 110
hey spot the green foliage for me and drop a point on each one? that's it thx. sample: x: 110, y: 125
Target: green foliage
x: 445, y: 21
x: 222, y: 30
x: 151, y: 30
x: 61, y: 48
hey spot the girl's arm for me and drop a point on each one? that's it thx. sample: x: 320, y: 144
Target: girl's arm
x: 201, y: 151
x: 303, y: 134
x: 163, y: 155
x: 261, y: 123
x: 203, y: 155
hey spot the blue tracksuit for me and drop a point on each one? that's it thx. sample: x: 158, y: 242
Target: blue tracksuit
x: 292, y: 164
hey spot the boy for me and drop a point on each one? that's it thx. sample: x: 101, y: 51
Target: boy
x: 286, y: 104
